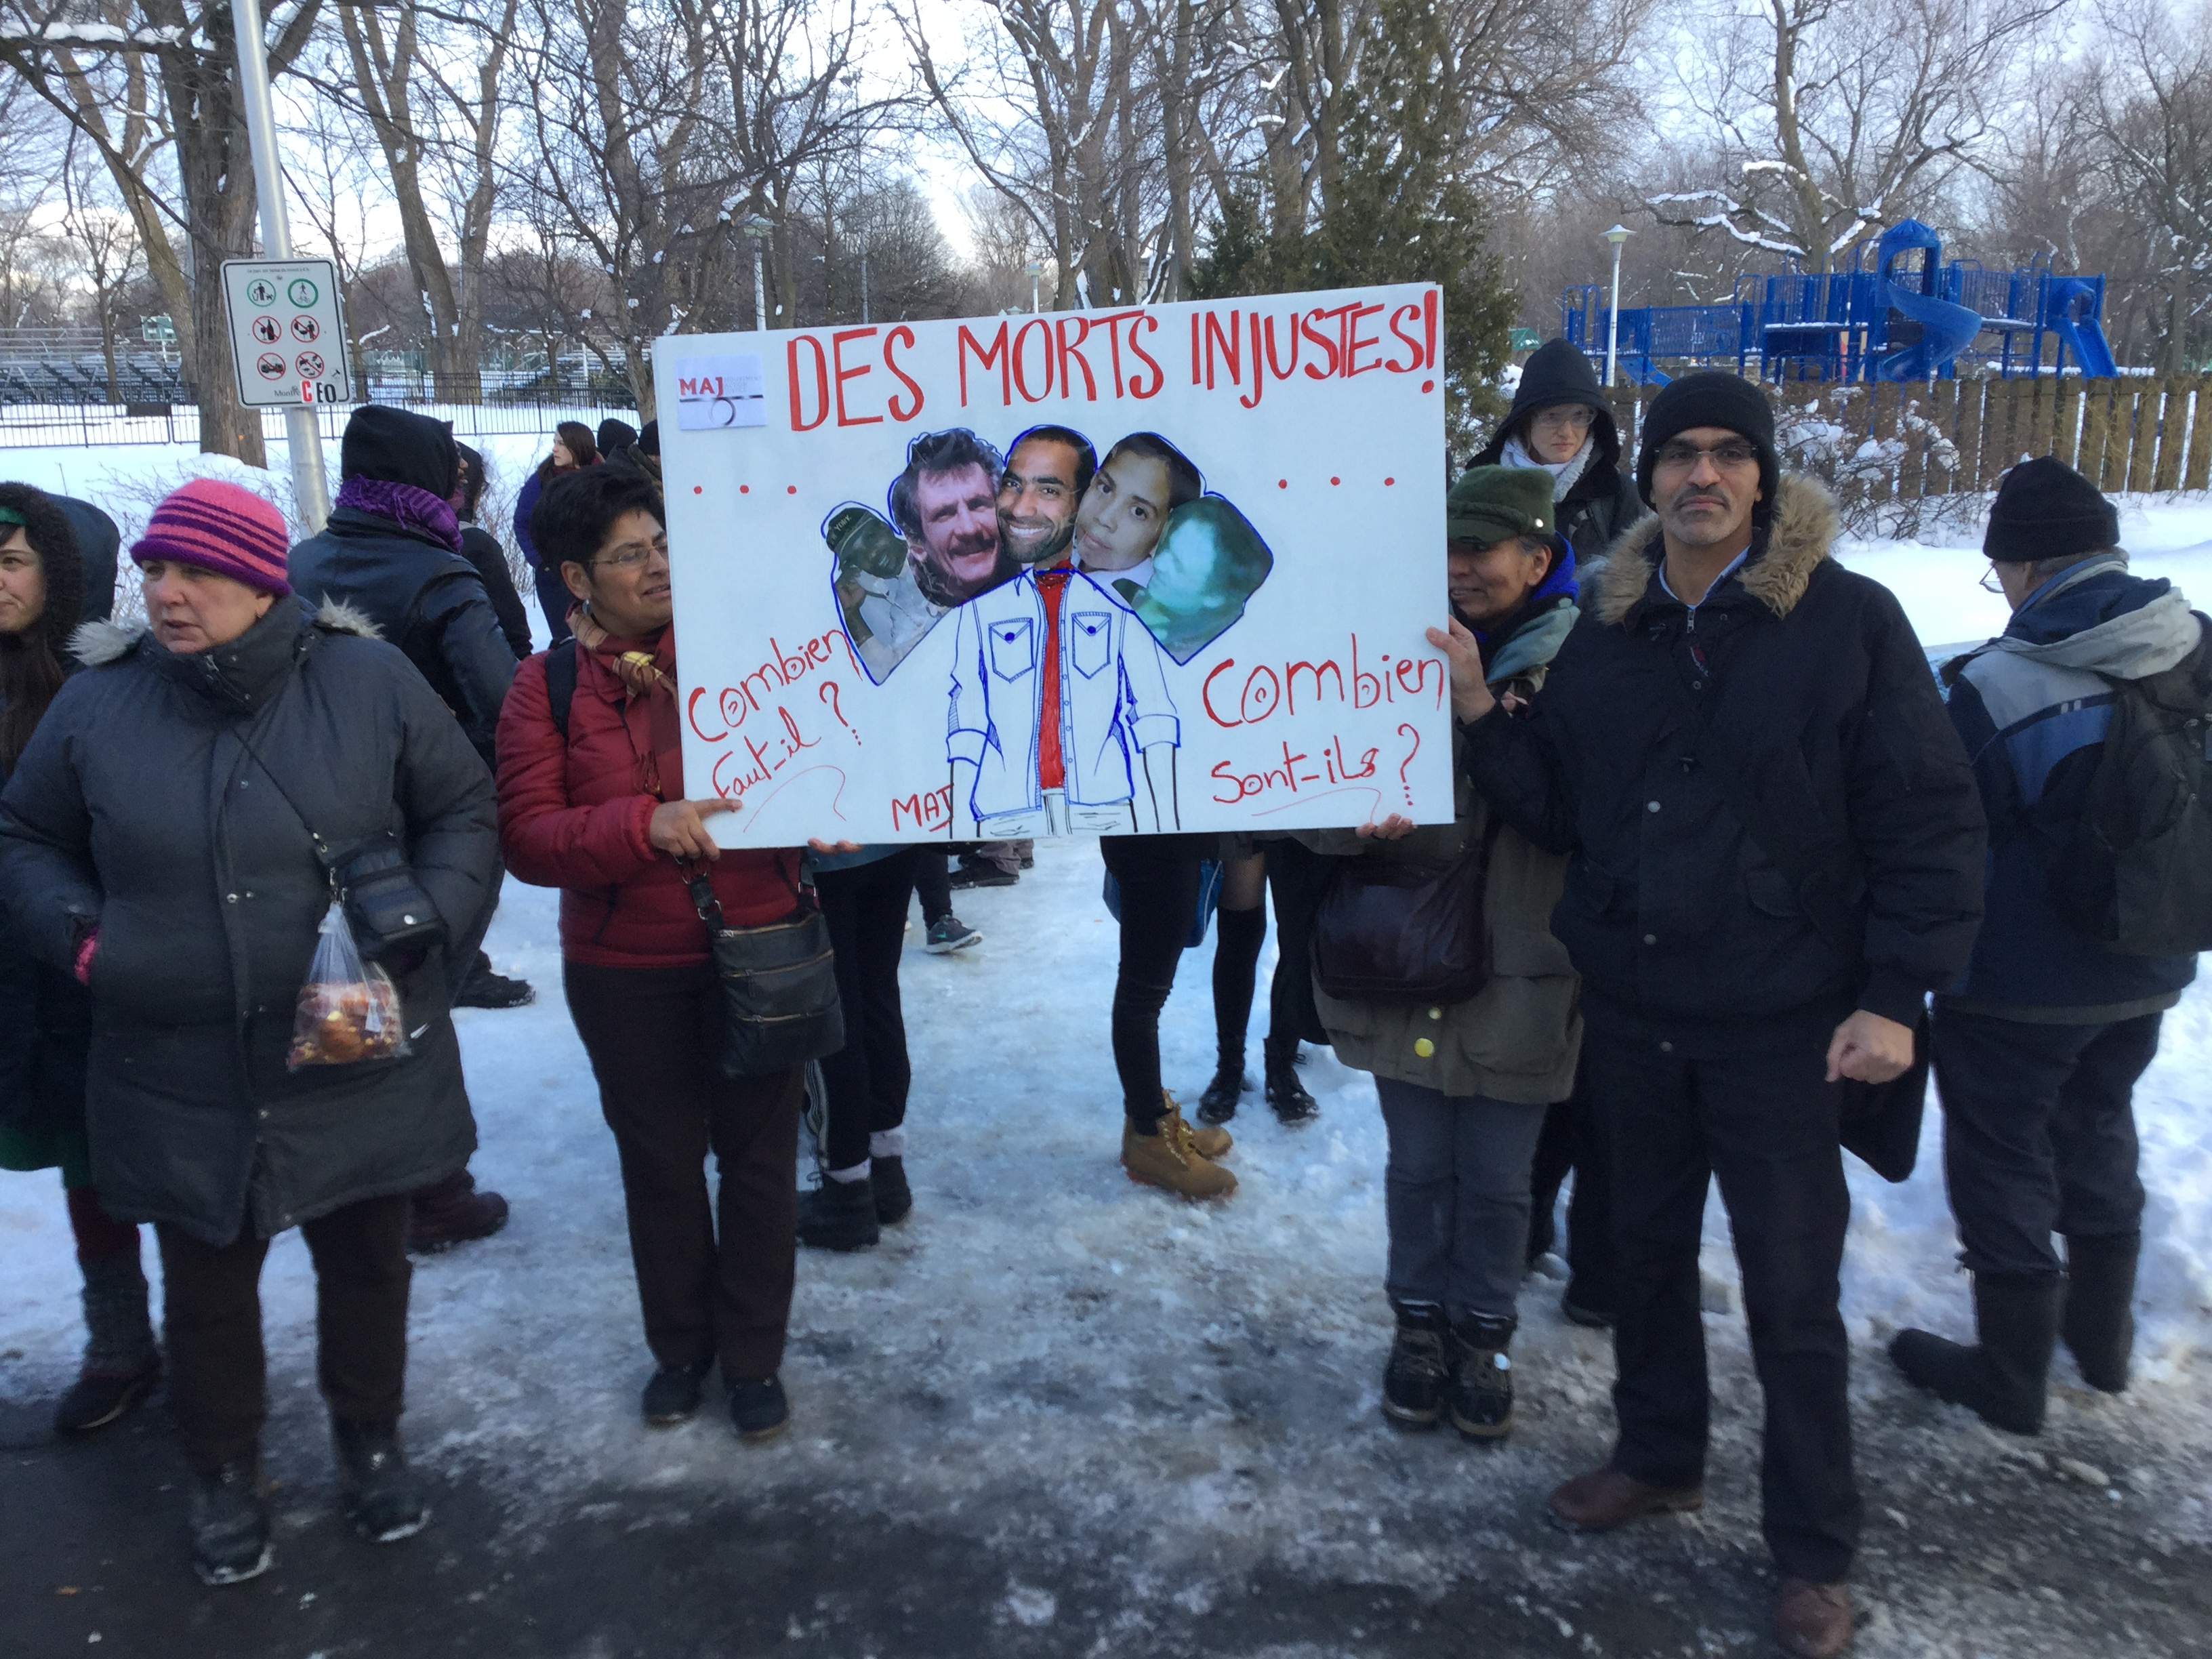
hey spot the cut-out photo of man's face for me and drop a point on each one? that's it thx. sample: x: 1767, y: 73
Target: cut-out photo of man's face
x: 1047, y: 472
x: 953, y: 534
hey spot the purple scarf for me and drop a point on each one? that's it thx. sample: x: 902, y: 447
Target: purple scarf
x: 409, y: 508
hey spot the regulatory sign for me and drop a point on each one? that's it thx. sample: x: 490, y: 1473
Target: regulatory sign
x: 276, y: 305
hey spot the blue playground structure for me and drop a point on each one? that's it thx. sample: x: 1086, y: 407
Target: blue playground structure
x: 1904, y: 316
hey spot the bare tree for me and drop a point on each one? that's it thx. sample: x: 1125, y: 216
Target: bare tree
x: 171, y: 71
x: 1827, y: 118
x: 106, y: 246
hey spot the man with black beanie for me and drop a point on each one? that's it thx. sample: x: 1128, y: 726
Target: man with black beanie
x: 2038, y: 1047
x: 1777, y: 856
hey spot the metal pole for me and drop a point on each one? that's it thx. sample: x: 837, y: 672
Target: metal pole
x: 1612, y: 320
x: 863, y: 276
x: 311, y: 492
x: 760, y: 293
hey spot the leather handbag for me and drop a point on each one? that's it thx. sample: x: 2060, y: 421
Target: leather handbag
x: 385, y: 904
x: 1405, y: 933
x: 779, y: 1003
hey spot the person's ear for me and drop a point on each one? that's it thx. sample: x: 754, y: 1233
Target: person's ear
x: 575, y: 579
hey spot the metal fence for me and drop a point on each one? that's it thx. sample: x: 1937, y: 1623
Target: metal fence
x: 34, y: 426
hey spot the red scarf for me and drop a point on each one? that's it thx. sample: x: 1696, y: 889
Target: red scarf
x: 646, y: 668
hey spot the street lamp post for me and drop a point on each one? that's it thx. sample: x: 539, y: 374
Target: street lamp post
x: 1036, y: 271
x: 757, y: 226
x: 311, y: 491
x: 1617, y: 235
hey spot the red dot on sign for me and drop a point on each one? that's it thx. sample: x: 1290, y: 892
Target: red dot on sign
x: 790, y: 489
x: 1282, y: 483
x: 1335, y: 481
x: 1428, y: 385
x: 1387, y: 481
x: 745, y: 489
x: 698, y: 490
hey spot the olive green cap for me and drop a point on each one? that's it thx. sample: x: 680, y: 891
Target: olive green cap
x: 1491, y: 503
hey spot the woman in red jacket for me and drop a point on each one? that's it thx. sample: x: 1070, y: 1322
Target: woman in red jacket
x: 598, y: 810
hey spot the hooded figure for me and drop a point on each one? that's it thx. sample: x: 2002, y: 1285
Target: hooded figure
x: 392, y: 551
x: 1595, y: 502
x: 1209, y: 562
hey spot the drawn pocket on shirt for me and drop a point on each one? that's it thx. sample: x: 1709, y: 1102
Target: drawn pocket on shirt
x: 1013, y: 649
x: 1091, y: 641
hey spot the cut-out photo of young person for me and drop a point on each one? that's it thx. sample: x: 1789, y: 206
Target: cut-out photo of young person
x: 1184, y: 561
x: 940, y: 549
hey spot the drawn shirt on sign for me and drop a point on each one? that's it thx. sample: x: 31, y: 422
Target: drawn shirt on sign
x: 720, y: 392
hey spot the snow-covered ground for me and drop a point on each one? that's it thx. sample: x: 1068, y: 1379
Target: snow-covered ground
x: 1186, y: 1393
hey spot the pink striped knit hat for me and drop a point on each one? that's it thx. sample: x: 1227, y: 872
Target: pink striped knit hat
x: 220, y: 527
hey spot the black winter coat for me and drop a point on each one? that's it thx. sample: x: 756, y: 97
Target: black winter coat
x: 482, y: 549
x: 425, y: 599
x: 1812, y: 682
x: 138, y: 810
x: 1602, y: 502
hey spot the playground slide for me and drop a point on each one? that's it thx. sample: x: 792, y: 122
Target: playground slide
x: 1945, y: 330
x: 2082, y: 336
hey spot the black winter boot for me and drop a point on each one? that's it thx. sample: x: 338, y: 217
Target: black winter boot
x: 383, y: 1499
x: 894, y: 1197
x: 1285, y: 1093
x: 1482, y: 1378
x: 2099, y: 1316
x: 121, y: 1364
x: 2003, y: 1377
x: 1219, y: 1103
x: 229, y: 1523
x: 1419, y: 1370
x: 839, y: 1215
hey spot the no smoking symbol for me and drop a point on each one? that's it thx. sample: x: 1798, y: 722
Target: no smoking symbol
x: 310, y: 365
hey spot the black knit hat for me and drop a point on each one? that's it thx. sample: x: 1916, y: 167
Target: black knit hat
x: 397, y: 446
x: 2046, y: 510
x: 1711, y: 397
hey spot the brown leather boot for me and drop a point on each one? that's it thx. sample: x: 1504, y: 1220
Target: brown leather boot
x: 453, y: 1212
x: 1211, y: 1138
x: 1171, y: 1159
x: 1813, y: 1621
x: 1606, y: 1499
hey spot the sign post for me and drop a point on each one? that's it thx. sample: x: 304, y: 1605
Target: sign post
x: 324, y: 350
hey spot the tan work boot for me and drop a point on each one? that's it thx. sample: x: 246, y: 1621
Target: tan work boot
x: 1211, y: 1138
x: 1171, y: 1159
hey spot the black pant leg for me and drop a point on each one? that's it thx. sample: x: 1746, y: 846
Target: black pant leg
x: 868, y: 1077
x: 1770, y: 1132
x: 1649, y: 1121
x: 1158, y: 876
x: 1999, y: 1081
x: 1590, y: 1256
x: 932, y: 883
x: 2093, y: 1133
x: 362, y: 1279
x: 1296, y: 876
x: 211, y: 1325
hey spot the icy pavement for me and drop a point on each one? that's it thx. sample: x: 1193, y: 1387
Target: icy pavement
x: 1056, y: 1412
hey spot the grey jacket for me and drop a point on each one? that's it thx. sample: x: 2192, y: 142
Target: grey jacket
x: 138, y: 810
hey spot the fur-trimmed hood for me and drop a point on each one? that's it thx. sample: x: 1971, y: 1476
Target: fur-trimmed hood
x: 96, y: 644
x: 1799, y: 534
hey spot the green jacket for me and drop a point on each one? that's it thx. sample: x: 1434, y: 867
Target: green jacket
x: 1519, y: 1037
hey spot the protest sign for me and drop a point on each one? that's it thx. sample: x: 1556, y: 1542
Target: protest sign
x: 1165, y: 567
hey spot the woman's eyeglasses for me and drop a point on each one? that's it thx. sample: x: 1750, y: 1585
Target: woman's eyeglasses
x: 1573, y: 418
x: 630, y: 554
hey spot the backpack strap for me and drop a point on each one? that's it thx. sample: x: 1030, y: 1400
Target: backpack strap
x: 560, y: 683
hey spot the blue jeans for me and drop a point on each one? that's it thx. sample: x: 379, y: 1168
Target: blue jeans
x: 1455, y: 1191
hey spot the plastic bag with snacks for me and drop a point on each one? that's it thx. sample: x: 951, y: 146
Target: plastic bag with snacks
x: 349, y: 1010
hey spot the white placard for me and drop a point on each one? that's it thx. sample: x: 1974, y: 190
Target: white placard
x: 1210, y: 585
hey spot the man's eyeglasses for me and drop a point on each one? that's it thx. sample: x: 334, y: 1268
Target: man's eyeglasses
x: 1731, y: 456
x: 1575, y: 417
x: 1991, y: 583
x: 630, y: 554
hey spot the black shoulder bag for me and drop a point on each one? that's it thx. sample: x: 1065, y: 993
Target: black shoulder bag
x: 1879, y: 1121
x: 1405, y: 933
x: 780, y: 1005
